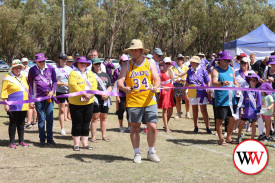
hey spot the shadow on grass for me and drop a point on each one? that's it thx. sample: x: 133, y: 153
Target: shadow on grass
x: 189, y: 132
x: 185, y: 142
x: 101, y: 157
x: 4, y: 116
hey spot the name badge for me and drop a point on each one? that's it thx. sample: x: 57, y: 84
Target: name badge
x: 87, y: 88
x: 22, y: 88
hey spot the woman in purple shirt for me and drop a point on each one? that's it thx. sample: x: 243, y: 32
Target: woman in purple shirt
x: 42, y: 82
x: 198, y: 76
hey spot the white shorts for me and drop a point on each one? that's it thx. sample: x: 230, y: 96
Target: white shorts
x: 196, y: 101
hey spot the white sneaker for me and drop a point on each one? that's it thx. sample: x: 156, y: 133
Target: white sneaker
x: 63, y: 132
x: 153, y: 156
x: 137, y: 158
x: 225, y: 134
x: 122, y: 130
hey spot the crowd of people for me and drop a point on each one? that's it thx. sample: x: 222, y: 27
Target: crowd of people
x: 145, y: 82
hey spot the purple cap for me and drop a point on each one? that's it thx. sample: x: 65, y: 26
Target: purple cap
x: 82, y: 59
x: 225, y: 56
x: 271, y: 60
x: 266, y: 86
x: 40, y: 57
x: 253, y: 75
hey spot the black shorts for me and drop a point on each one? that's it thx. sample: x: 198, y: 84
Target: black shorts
x: 224, y: 111
x: 100, y: 108
x: 249, y: 120
x: 61, y: 100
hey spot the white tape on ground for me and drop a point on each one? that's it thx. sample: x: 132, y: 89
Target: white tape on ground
x: 207, y: 149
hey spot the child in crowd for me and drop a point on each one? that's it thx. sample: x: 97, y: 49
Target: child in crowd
x: 251, y: 107
x: 267, y: 112
x: 166, y: 97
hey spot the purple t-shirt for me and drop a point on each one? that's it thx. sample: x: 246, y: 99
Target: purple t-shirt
x: 109, y: 67
x: 200, y: 78
x: 39, y: 83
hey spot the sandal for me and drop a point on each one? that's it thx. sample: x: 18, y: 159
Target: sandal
x: 232, y: 142
x: 88, y: 147
x: 94, y: 140
x: 76, y: 148
x: 106, y: 139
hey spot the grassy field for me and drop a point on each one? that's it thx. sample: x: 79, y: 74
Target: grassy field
x: 185, y: 157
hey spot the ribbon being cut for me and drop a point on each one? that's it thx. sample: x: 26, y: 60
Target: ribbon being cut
x: 120, y: 94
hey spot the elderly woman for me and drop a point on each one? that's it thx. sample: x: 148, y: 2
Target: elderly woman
x: 198, y: 76
x: 62, y: 74
x: 102, y: 102
x: 15, y: 88
x: 81, y: 106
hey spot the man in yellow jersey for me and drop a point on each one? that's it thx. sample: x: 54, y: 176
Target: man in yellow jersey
x: 142, y: 79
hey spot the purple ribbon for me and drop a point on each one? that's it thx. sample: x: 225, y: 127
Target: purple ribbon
x: 122, y: 94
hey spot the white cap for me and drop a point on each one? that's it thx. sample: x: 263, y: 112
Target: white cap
x: 24, y: 59
x: 167, y: 59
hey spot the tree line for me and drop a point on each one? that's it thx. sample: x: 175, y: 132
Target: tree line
x: 176, y: 26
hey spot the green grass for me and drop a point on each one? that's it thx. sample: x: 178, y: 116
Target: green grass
x: 185, y: 157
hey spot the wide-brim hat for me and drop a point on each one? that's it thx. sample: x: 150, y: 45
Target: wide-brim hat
x: 195, y: 59
x: 266, y: 86
x: 225, y: 56
x: 82, y: 59
x: 253, y: 75
x: 135, y: 45
x: 40, y: 57
x: 200, y: 54
x: 16, y: 63
x: 24, y: 59
x: 70, y: 59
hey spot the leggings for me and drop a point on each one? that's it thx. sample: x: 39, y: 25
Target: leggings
x: 17, y: 120
x: 81, y: 117
x: 121, y: 108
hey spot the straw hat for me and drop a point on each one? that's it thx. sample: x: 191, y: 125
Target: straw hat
x: 136, y: 44
x: 195, y: 59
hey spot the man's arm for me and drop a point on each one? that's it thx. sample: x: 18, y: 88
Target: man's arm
x: 215, y: 78
x: 155, y: 76
x: 121, y: 79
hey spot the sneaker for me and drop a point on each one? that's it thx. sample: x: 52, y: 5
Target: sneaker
x: 12, y: 146
x: 153, y: 156
x: 28, y: 126
x: 208, y: 130
x: 51, y: 142
x: 267, y: 139
x: 63, y: 132
x: 225, y: 134
x: 42, y: 143
x: 187, y: 115
x: 196, y: 130
x: 137, y: 158
x: 33, y: 124
x: 261, y: 137
x: 126, y: 130
x: 122, y: 130
x: 178, y: 116
x: 23, y: 144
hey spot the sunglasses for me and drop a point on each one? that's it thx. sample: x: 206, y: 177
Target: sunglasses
x: 253, y: 79
x: 159, y: 55
x: 41, y: 61
x: 161, y: 65
x: 243, y: 63
x: 227, y: 61
x: 168, y: 63
x: 97, y: 64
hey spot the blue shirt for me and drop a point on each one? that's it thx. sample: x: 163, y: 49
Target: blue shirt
x: 222, y: 96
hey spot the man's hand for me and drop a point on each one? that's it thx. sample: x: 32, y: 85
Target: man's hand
x: 226, y: 83
x: 104, y: 97
x: 118, y: 99
x: 127, y: 89
x: 88, y: 96
x: 153, y: 89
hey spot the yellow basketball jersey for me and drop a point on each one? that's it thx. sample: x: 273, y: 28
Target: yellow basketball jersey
x: 140, y: 79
